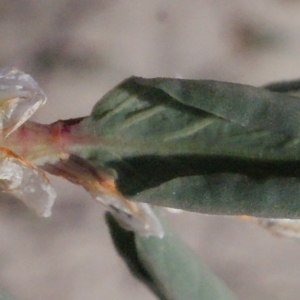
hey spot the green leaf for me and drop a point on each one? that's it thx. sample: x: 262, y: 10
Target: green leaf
x: 167, y: 266
x: 251, y: 107
x: 185, y: 117
x: 290, y: 87
x: 204, y: 146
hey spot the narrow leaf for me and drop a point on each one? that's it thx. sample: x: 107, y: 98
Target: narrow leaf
x: 205, y: 146
x: 284, y: 86
x: 167, y: 266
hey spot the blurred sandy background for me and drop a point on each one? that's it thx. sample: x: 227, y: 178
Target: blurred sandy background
x: 77, y: 50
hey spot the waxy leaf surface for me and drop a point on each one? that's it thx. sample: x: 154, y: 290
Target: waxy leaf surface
x: 204, y: 146
x: 167, y: 266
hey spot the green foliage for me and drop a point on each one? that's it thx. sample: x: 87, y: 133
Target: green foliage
x: 203, y: 146
x: 167, y: 266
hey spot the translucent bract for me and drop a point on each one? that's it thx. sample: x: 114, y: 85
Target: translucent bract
x: 26, y: 182
x: 20, y: 97
x: 137, y: 217
x: 280, y: 227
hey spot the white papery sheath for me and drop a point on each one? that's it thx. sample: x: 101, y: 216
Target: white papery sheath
x: 20, y: 97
